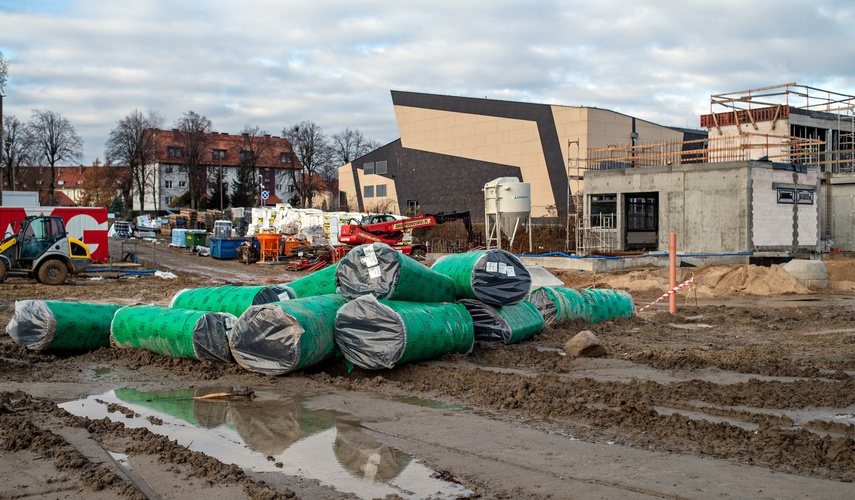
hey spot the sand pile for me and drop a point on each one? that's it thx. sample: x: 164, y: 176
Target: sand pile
x: 711, y: 280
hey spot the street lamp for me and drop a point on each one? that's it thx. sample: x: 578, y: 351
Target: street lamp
x: 261, y: 189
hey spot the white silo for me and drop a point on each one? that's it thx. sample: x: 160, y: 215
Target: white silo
x: 507, y: 201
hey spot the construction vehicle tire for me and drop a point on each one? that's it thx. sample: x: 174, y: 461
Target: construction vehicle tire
x: 4, y: 271
x: 418, y: 254
x: 53, y: 272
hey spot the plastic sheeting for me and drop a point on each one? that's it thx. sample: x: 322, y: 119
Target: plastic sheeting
x: 230, y: 299
x: 281, y: 337
x: 380, y: 270
x: 588, y: 304
x: 493, y: 276
x: 70, y: 326
x: 377, y: 334
x: 505, y: 324
x: 178, y: 333
x: 320, y: 282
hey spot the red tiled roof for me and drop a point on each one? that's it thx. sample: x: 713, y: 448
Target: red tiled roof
x: 275, y: 150
x: 272, y: 199
x: 61, y: 199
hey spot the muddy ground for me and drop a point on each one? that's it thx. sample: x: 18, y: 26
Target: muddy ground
x: 743, y: 393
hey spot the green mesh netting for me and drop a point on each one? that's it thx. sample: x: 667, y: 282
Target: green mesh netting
x: 317, y: 283
x: 179, y: 333
x: 230, y: 299
x: 69, y: 326
x: 493, y: 276
x: 281, y: 337
x: 589, y: 304
x: 381, y: 334
x: 380, y: 270
x: 506, y: 324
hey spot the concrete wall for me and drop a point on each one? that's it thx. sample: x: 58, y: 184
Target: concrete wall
x: 721, y: 207
x: 781, y: 226
x: 842, y: 208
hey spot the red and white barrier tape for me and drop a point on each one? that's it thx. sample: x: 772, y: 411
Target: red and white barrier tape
x: 671, y: 292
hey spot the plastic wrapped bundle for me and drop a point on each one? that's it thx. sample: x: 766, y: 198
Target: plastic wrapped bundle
x: 178, y: 333
x: 385, y: 273
x: 589, y: 304
x: 317, y: 283
x: 281, y: 337
x: 493, y: 276
x: 230, y: 299
x: 505, y: 324
x: 377, y: 334
x: 69, y: 326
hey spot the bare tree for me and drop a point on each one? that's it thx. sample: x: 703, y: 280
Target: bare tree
x: 350, y: 145
x: 194, y: 135
x: 312, y: 149
x: 4, y: 71
x: 54, y: 141
x: 134, y: 143
x: 15, y: 151
x: 254, y: 147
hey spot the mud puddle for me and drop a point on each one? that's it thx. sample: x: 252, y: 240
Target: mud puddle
x: 273, y: 433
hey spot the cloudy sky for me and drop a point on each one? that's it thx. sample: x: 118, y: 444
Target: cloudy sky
x: 273, y: 63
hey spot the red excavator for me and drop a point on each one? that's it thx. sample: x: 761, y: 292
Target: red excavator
x: 385, y: 228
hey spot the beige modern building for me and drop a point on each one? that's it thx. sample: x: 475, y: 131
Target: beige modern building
x: 451, y: 146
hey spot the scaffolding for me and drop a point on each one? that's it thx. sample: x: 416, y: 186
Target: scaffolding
x: 595, y: 234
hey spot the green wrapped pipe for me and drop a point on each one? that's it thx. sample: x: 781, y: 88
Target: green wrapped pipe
x: 505, y: 324
x: 230, y: 299
x: 588, y: 304
x: 493, y: 276
x: 380, y: 270
x: 178, y: 333
x: 377, y: 334
x: 68, y: 326
x: 320, y: 282
x: 281, y: 337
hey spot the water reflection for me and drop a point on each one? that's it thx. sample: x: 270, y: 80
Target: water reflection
x: 364, y: 456
x: 322, y: 444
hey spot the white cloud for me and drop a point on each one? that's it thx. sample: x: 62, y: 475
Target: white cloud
x: 272, y: 64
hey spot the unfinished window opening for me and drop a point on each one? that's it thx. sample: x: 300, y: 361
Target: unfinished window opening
x: 603, y: 207
x: 642, y: 221
x: 786, y: 196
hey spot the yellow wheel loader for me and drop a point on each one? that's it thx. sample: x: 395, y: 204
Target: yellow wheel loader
x: 42, y: 249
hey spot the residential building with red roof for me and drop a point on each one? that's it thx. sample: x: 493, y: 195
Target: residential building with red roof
x: 273, y: 170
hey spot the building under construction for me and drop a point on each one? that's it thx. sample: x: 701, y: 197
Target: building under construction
x: 768, y: 170
x: 775, y: 174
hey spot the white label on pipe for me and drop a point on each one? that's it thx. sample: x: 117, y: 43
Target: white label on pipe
x: 492, y: 267
x: 374, y: 272
x: 510, y: 272
x: 503, y: 268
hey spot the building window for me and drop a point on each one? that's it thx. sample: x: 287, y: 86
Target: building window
x: 786, y: 195
x: 368, y: 168
x: 412, y: 207
x: 285, y: 158
x: 167, y: 184
x: 380, y: 190
x: 805, y: 196
x: 167, y: 200
x: 61, y: 183
x: 173, y: 152
x: 167, y: 169
x: 244, y: 155
x: 380, y: 167
x: 182, y: 168
x: 182, y: 184
x: 368, y: 192
x: 603, y: 209
x: 218, y: 154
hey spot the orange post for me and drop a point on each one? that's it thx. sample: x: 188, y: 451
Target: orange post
x: 672, y: 265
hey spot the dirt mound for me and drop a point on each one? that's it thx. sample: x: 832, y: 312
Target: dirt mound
x: 711, y: 280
